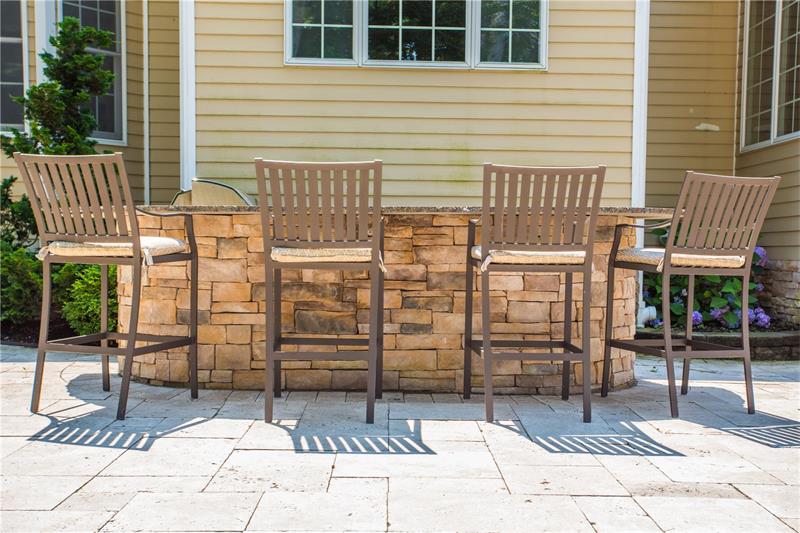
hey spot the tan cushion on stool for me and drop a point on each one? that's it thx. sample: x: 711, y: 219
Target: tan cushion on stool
x: 152, y: 246
x: 321, y: 255
x: 655, y: 257
x: 519, y: 257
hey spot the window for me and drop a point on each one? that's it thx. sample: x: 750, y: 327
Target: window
x: 771, y: 98
x: 108, y: 110
x: 12, y: 64
x: 418, y: 33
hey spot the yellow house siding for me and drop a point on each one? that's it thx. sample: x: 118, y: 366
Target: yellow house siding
x: 164, y: 101
x: 781, y: 231
x: 692, y: 80
x: 433, y: 128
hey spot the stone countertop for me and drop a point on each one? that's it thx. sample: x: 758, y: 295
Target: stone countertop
x: 630, y: 212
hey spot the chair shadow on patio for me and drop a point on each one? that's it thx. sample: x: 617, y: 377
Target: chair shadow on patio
x: 617, y: 431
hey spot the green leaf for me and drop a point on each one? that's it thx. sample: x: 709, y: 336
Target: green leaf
x: 677, y: 309
x: 712, y: 279
x: 731, y: 318
x: 718, y: 302
x: 752, y: 299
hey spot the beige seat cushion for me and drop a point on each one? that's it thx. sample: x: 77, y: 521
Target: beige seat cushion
x: 321, y: 255
x: 518, y: 257
x: 655, y: 257
x: 151, y: 246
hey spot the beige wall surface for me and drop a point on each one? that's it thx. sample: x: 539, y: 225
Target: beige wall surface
x: 432, y: 127
x: 692, y: 81
x: 164, y: 129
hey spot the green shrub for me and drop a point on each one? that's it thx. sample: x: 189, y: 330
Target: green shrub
x: 64, y: 277
x: 81, y: 308
x: 17, y: 223
x: 20, y: 285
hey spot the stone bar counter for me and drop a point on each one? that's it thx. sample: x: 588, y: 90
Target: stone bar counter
x: 424, y: 306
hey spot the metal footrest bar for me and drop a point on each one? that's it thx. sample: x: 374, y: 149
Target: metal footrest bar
x: 311, y: 341
x: 682, y: 348
x: 476, y: 345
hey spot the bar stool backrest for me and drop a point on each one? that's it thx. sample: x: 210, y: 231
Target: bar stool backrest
x: 550, y: 207
x: 720, y: 215
x: 320, y: 204
x: 80, y: 198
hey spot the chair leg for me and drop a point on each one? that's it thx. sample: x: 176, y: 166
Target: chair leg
x: 673, y: 397
x: 276, y: 376
x: 372, y: 377
x: 488, y: 389
x: 586, y: 346
x: 470, y: 276
x: 44, y: 326
x: 748, y: 371
x: 379, y: 360
x: 609, y: 329
x: 272, y: 319
x: 689, y: 311
x: 193, y: 305
x: 104, y: 324
x: 131, y: 341
x: 566, y: 373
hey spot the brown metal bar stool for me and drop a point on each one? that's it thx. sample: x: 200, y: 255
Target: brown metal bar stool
x: 322, y: 216
x: 85, y: 214
x: 713, y: 231
x: 534, y: 219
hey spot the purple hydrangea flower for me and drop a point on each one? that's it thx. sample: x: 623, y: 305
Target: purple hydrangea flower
x: 657, y: 323
x: 697, y: 318
x: 762, y: 256
x: 759, y: 287
x: 717, y: 313
x: 762, y: 319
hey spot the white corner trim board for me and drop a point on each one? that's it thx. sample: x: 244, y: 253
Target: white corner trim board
x: 187, y: 92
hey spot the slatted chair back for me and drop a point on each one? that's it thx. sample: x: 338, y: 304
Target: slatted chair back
x: 720, y: 215
x: 550, y: 207
x: 80, y: 198
x: 320, y: 204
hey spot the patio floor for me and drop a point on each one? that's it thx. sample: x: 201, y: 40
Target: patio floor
x: 429, y: 463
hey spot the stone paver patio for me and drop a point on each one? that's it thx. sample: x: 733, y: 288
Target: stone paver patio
x: 429, y: 463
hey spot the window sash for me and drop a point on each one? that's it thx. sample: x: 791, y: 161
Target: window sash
x: 472, y: 43
x: 118, y: 137
x: 22, y: 40
x: 773, y: 79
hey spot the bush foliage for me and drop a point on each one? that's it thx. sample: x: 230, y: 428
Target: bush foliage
x: 20, y: 285
x: 81, y: 309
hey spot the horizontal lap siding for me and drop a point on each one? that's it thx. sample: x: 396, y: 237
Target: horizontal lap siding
x: 692, y: 80
x: 164, y: 101
x: 432, y: 128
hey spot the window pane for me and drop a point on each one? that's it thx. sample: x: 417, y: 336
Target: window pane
x: 524, y: 47
x: 758, y: 87
x: 307, y: 41
x: 10, y: 111
x: 384, y: 12
x: 417, y: 13
x: 494, y: 46
x: 11, y: 59
x: 450, y: 45
x: 525, y: 14
x: 495, y: 13
x: 789, y: 70
x: 338, y: 12
x: 105, y: 114
x: 72, y: 10
x: 451, y: 14
x: 417, y: 45
x: 10, y: 24
x: 88, y: 17
x: 339, y: 43
x: 383, y: 44
x: 307, y: 11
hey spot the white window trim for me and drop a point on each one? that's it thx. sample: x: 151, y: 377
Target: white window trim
x: 774, y: 138
x: 123, y: 81
x: 26, y: 82
x: 471, y: 44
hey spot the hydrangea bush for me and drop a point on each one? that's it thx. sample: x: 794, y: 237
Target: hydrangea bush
x: 717, y: 300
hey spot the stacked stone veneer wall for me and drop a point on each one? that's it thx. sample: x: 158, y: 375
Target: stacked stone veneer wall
x: 781, y: 281
x: 424, y: 310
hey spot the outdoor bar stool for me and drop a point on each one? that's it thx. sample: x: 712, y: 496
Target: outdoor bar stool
x: 322, y: 216
x: 534, y: 219
x: 85, y: 214
x: 713, y: 231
